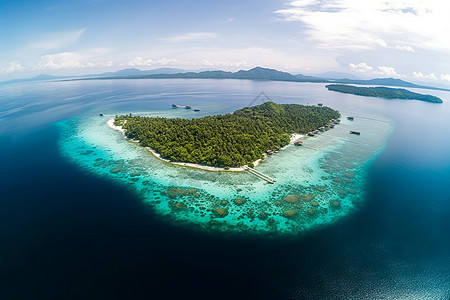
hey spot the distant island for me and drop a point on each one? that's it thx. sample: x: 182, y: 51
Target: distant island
x: 230, y: 140
x: 257, y: 73
x: 382, y: 92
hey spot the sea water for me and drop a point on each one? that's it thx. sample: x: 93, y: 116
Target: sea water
x: 69, y: 232
x: 316, y: 184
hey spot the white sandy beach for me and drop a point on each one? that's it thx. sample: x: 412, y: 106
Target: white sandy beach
x: 111, y: 124
x: 197, y: 166
x: 294, y: 137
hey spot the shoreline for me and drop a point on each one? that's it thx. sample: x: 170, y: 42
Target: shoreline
x: 110, y: 123
x: 117, y: 128
x: 293, y: 138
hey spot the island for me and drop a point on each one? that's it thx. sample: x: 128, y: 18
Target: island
x: 257, y: 73
x: 382, y: 92
x: 230, y: 140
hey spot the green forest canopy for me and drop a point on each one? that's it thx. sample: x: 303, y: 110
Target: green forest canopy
x: 229, y: 140
x: 382, y: 92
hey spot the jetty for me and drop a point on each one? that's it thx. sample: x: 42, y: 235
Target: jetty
x: 185, y: 106
x: 259, y: 174
x: 103, y: 115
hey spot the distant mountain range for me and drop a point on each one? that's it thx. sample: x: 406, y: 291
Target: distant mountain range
x: 335, y: 75
x: 134, y: 72
x: 120, y: 73
x: 257, y: 73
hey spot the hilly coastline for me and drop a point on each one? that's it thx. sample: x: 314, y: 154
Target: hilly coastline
x: 382, y: 92
x: 257, y: 73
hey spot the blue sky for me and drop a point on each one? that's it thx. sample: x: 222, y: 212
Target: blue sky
x: 406, y: 39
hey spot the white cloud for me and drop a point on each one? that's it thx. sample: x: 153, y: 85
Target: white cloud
x: 380, y: 70
x: 404, y: 48
x: 387, y: 71
x: 139, y: 62
x: 58, y: 61
x: 420, y: 75
x: 445, y: 77
x: 58, y: 40
x: 361, y: 25
x: 380, y: 43
x: 235, y: 58
x: 168, y: 62
x: 74, y: 60
x: 187, y: 62
x: 229, y: 59
x: 361, y: 67
x: 239, y: 64
x: 190, y: 37
x: 13, y: 66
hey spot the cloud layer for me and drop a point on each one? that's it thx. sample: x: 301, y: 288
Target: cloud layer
x: 58, y: 40
x: 356, y: 25
x: 377, y: 38
x: 191, y: 37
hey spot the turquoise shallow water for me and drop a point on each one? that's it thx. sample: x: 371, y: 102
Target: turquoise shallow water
x: 72, y: 230
x: 316, y: 184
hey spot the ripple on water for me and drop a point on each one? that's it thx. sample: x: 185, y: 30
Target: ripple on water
x: 316, y: 185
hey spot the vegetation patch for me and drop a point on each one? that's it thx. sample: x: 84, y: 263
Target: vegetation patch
x: 229, y: 140
x: 382, y: 92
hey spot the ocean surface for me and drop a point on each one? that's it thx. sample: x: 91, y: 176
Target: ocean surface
x: 87, y: 214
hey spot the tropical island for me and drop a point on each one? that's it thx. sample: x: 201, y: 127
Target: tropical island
x: 231, y: 140
x: 382, y: 92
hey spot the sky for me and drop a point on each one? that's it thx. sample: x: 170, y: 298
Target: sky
x: 406, y: 39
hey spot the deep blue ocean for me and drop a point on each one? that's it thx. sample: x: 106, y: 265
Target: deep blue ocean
x: 68, y: 234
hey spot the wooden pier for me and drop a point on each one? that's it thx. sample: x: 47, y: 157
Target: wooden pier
x: 259, y: 174
x: 103, y: 115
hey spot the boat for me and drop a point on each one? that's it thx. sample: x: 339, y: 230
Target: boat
x: 355, y: 132
x: 350, y: 118
x: 196, y: 109
x: 102, y: 115
x: 320, y: 104
x: 298, y: 143
x: 174, y: 105
x: 188, y: 107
